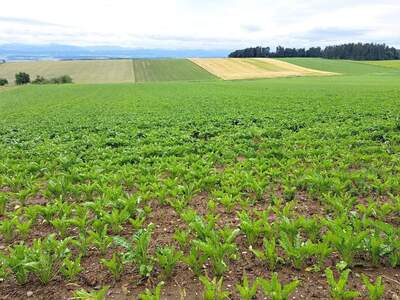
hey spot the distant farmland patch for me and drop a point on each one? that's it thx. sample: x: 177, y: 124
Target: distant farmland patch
x: 251, y: 68
x: 168, y: 70
x: 386, y: 63
x: 81, y: 71
x: 347, y: 67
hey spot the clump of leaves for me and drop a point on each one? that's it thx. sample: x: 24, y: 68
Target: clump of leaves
x: 114, y: 265
x: 338, y: 288
x: 71, y: 268
x: 47, y: 256
x: 167, y: 257
x: 247, y: 291
x: 269, y: 254
x: 93, y: 295
x: 213, y: 289
x: 149, y: 295
x: 375, y: 289
x: 274, y: 290
x: 137, y: 250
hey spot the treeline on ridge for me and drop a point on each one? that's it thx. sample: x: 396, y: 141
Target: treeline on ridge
x: 354, y: 51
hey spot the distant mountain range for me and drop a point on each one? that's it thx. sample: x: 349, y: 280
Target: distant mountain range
x: 13, y: 52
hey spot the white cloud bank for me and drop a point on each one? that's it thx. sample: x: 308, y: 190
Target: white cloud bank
x: 199, y: 24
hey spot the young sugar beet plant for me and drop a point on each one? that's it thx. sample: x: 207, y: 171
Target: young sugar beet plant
x: 375, y: 289
x: 213, y: 289
x: 247, y: 291
x: 274, y: 290
x: 269, y: 254
x: 338, y: 288
x: 137, y: 250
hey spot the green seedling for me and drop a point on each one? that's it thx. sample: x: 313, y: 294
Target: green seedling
x: 93, y: 295
x: 213, y: 289
x: 274, y: 290
x: 269, y: 254
x: 338, y: 288
x: 114, y: 265
x: 149, y: 295
x: 376, y: 289
x: 167, y: 258
x: 247, y: 291
x: 137, y: 250
x: 71, y: 268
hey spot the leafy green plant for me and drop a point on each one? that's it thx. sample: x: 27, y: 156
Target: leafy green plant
x: 114, y: 265
x: 93, y: 295
x: 149, y: 295
x: 247, y: 291
x: 213, y: 289
x: 274, y: 290
x: 269, y: 254
x: 100, y: 239
x: 338, y: 288
x: 346, y: 240
x: 167, y: 257
x: 297, y: 250
x: 252, y: 229
x: 376, y: 289
x: 71, y: 268
x: 137, y: 250
x: 24, y: 228
x: 46, y: 257
x: 218, y: 249
x: 3, y: 203
x: 7, y: 228
x: 18, y: 261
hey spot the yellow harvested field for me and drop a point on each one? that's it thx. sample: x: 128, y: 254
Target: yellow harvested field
x: 81, y: 71
x: 251, y: 68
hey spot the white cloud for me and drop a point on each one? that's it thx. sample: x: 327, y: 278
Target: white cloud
x: 201, y: 24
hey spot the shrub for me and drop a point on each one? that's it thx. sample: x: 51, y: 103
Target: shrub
x: 55, y: 80
x: 61, y: 79
x: 3, y: 81
x: 40, y: 80
x: 22, y: 78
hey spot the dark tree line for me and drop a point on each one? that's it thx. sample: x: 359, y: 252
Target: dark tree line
x: 352, y: 51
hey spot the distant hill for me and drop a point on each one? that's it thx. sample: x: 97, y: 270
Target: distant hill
x: 12, y: 52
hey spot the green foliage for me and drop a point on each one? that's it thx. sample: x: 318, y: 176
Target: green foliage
x: 114, y: 265
x: 137, y: 250
x: 167, y: 257
x: 376, y: 289
x: 149, y: 295
x: 93, y: 295
x: 46, y: 257
x: 338, y: 288
x: 213, y: 290
x: 252, y: 229
x: 3, y: 81
x: 247, y: 291
x: 71, y: 268
x: 22, y: 78
x: 274, y: 290
x: 269, y: 254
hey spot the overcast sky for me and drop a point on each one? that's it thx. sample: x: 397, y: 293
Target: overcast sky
x: 199, y: 24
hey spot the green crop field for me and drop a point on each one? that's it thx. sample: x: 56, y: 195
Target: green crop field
x: 168, y: 70
x: 346, y: 67
x: 81, y: 71
x: 386, y: 63
x: 202, y: 188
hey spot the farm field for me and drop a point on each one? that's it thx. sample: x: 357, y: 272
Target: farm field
x: 252, y: 68
x: 176, y: 184
x: 81, y: 71
x: 148, y: 70
x: 386, y: 63
x: 346, y: 67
